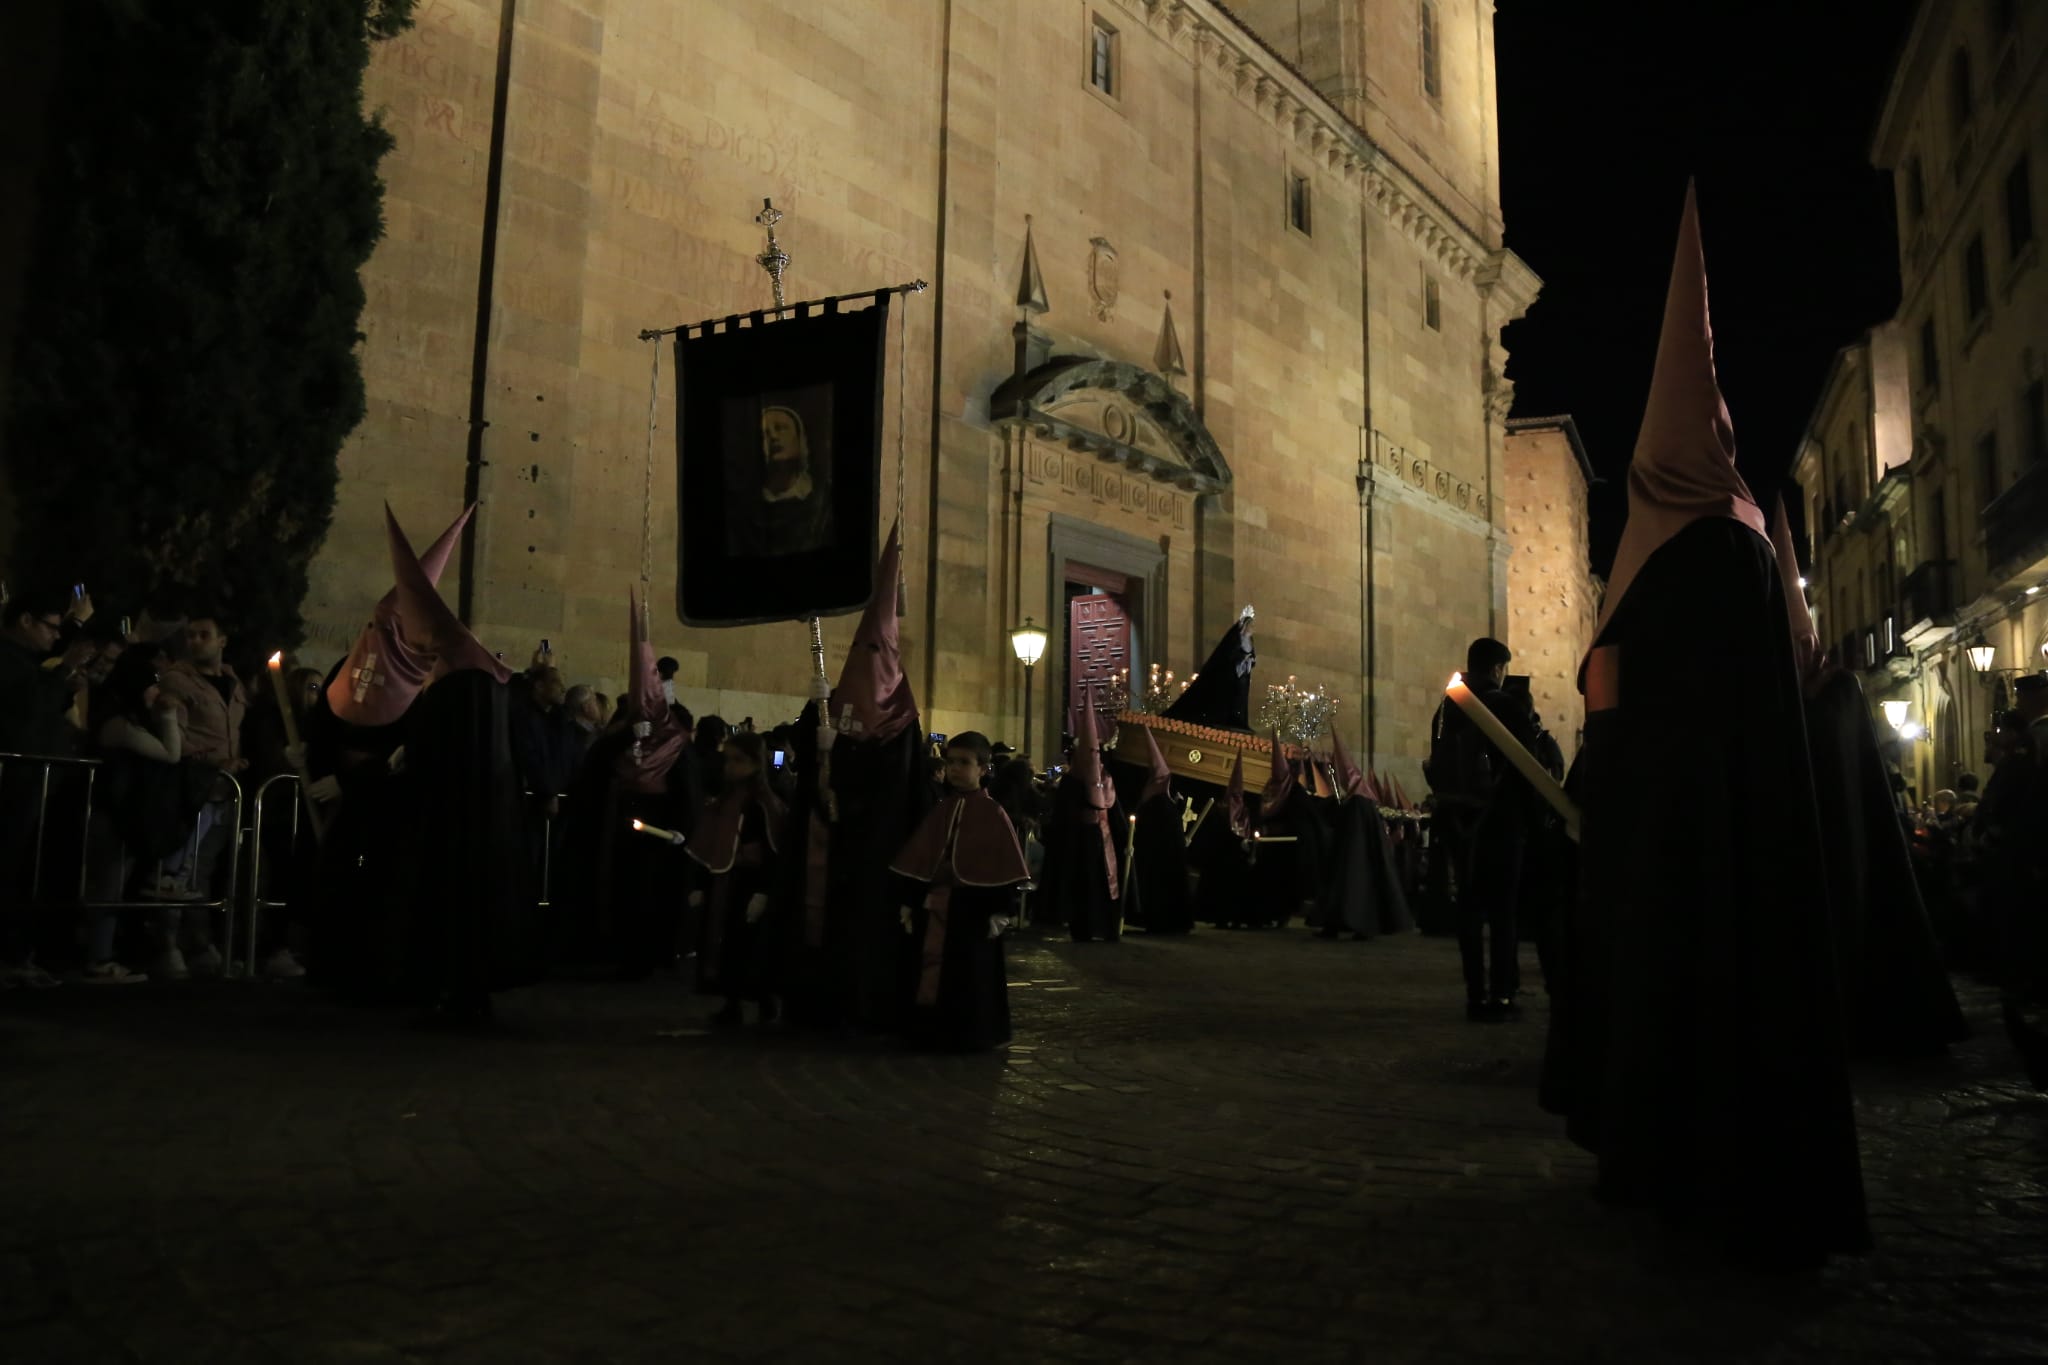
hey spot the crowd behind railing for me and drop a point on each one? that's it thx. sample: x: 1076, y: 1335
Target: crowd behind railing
x: 156, y: 825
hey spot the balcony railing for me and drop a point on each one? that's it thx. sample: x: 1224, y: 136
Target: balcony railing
x: 2016, y: 524
x: 1929, y: 593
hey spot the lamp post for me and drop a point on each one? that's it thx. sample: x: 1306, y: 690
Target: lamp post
x: 1029, y: 643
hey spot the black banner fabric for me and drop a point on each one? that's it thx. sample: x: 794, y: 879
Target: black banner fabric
x: 778, y: 466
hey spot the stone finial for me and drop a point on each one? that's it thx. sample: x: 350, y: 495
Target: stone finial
x: 1031, y: 281
x: 1167, y: 359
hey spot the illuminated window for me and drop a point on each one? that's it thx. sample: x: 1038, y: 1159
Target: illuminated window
x: 1432, y: 62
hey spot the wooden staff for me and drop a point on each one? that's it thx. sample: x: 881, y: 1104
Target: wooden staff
x: 291, y: 740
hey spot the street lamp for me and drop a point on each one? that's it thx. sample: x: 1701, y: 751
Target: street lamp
x: 1982, y: 655
x: 1029, y: 643
x: 1895, y: 713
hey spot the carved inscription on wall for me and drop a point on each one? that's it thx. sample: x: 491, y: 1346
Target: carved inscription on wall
x: 1105, y: 482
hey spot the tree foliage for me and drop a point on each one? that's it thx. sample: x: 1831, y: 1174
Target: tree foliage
x: 186, y: 365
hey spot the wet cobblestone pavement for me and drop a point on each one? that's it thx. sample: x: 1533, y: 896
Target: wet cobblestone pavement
x: 1239, y: 1146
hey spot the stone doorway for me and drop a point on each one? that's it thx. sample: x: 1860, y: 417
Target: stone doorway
x: 1101, y: 639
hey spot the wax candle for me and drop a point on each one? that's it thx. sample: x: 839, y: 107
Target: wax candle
x: 1524, y: 762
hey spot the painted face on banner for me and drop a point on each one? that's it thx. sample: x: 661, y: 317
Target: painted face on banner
x: 785, y: 454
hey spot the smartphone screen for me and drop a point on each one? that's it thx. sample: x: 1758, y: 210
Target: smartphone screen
x: 779, y: 756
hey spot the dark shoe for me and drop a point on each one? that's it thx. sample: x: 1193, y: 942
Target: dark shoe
x: 1480, y: 1012
x: 1506, y: 1010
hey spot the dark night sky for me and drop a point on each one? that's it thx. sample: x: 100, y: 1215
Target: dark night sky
x: 1606, y: 106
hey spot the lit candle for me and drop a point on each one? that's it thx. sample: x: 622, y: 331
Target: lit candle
x: 291, y: 739
x: 655, y: 831
x: 1524, y: 762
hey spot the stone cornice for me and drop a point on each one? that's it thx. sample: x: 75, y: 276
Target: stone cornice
x: 1209, y: 35
x: 1402, y: 476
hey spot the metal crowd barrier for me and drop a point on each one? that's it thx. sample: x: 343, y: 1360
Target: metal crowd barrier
x: 225, y: 903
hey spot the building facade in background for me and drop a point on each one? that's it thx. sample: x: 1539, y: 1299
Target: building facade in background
x: 1933, y: 542
x: 1309, y: 190
x: 1553, y: 595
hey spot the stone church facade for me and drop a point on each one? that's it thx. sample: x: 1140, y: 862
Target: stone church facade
x: 1309, y: 187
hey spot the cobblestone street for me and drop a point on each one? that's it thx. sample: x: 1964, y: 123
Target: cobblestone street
x: 1239, y: 1146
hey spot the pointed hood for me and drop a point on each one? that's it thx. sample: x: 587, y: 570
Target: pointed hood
x: 1161, y: 781
x: 1240, y: 822
x: 1088, y: 760
x: 1805, y: 639
x: 1280, y: 782
x: 873, y: 700
x: 1350, y: 780
x: 1401, y: 797
x: 1319, y: 779
x: 1683, y: 469
x: 644, y: 765
x: 385, y: 670
x: 427, y: 619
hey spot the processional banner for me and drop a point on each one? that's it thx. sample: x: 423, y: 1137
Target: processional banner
x: 778, y: 463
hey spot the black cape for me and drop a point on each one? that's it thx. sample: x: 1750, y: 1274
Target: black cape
x: 1157, y: 898
x: 1220, y: 695
x: 971, y: 1011
x: 882, y: 793
x: 1894, y: 986
x: 1696, y: 1042
x: 1362, y: 893
x: 360, y: 894
x: 806, y: 944
x: 475, y: 924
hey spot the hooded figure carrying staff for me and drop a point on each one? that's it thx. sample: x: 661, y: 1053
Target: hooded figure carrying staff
x: 1696, y: 1040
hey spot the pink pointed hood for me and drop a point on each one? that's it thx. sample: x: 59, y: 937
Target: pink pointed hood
x: 1088, y: 760
x: 1240, y: 822
x: 1280, y: 782
x: 1683, y: 469
x: 873, y: 700
x: 1161, y: 781
x: 643, y: 766
x: 385, y: 669
x: 427, y: 619
x: 1805, y: 639
x: 1350, y: 780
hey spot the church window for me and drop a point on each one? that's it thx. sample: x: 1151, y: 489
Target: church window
x: 1432, y: 304
x: 1102, y: 57
x: 1432, y: 61
x: 1298, y: 206
x: 1976, y: 284
x: 2019, y: 210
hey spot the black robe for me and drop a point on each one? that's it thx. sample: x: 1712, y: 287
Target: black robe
x: 804, y: 941
x: 475, y: 924
x: 1362, y: 894
x: 882, y: 792
x: 1696, y: 1043
x: 1894, y: 986
x: 1157, y: 898
x: 1074, y: 887
x: 956, y: 875
x: 1224, y: 891
x: 736, y: 959
x: 357, y: 902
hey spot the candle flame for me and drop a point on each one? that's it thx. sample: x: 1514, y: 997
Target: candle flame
x: 277, y: 659
x: 1456, y: 679
x: 638, y: 825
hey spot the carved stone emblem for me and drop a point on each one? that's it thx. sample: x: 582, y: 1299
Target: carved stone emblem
x: 1102, y: 277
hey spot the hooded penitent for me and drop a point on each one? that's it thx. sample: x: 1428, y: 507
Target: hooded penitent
x: 1361, y: 892
x: 1096, y: 788
x: 1351, y: 781
x: 1156, y: 894
x: 1696, y: 1042
x: 386, y: 669
x: 1280, y: 783
x: 1240, y: 818
x: 643, y: 766
x: 1684, y: 463
x: 873, y: 700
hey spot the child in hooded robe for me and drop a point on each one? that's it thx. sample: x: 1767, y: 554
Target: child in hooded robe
x: 736, y: 839
x: 962, y: 865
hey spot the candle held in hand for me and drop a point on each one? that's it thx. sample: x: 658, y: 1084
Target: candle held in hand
x: 655, y: 831
x: 1524, y: 762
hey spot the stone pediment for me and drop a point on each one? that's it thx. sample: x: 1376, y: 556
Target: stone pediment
x: 1120, y: 414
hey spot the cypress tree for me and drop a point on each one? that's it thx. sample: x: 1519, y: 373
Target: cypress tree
x: 186, y: 366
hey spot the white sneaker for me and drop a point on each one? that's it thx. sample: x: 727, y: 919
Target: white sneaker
x: 170, y: 966
x: 206, y: 961
x: 282, y: 966
x: 111, y: 974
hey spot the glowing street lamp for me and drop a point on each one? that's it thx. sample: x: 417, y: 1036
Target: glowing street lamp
x: 1982, y: 655
x: 1028, y: 641
x: 1895, y: 714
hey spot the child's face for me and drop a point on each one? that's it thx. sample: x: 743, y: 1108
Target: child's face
x: 738, y: 767
x: 964, y: 770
